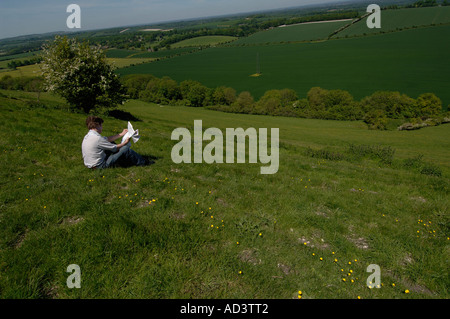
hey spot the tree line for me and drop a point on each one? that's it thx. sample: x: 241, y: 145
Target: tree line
x: 375, y: 110
x: 14, y: 64
x: 80, y: 74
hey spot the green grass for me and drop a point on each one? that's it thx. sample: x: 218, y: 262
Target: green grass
x: 121, y: 53
x: 393, y: 62
x: 392, y: 20
x: 203, y: 41
x: 134, y: 54
x: 27, y: 70
x: 125, y: 62
x: 19, y: 56
x: 35, y: 70
x: 55, y: 212
x: 294, y: 33
x: 4, y: 63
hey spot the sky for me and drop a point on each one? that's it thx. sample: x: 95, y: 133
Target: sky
x: 24, y: 17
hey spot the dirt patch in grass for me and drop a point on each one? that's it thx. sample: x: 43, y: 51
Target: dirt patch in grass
x: 72, y: 220
x: 412, y: 286
x: 250, y: 256
x: 285, y: 269
x: 222, y: 202
x: 359, y: 242
x: 178, y: 216
x: 52, y: 292
x: 20, y: 239
x: 420, y: 199
x: 314, y: 242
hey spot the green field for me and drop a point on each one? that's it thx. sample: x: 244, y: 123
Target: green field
x: 134, y: 54
x: 27, y: 70
x: 121, y: 53
x: 21, y: 56
x: 203, y: 41
x: 35, y: 70
x: 392, y: 20
x: 294, y: 33
x: 125, y: 62
x: 393, y: 61
x: 218, y: 230
x: 4, y: 63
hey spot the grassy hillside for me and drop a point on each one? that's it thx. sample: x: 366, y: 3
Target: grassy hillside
x: 26, y: 55
x: 203, y: 41
x: 35, y: 69
x: 125, y: 62
x: 27, y: 70
x: 393, y: 62
x: 294, y: 33
x: 392, y: 20
x: 120, y: 53
x: 219, y: 230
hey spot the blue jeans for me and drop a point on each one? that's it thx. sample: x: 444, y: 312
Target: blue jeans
x: 125, y: 157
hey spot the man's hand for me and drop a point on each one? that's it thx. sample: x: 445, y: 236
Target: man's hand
x: 115, y: 137
x: 119, y: 146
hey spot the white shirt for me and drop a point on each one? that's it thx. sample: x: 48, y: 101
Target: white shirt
x: 94, y: 146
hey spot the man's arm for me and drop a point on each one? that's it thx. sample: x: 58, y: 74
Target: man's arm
x: 115, y: 137
x: 119, y: 146
x: 105, y: 145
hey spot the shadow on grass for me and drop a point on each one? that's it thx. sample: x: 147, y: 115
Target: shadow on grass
x: 123, y: 115
x: 149, y: 160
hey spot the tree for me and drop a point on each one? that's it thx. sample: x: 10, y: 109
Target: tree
x: 244, y: 103
x: 288, y: 96
x: 393, y: 104
x: 169, y: 89
x: 316, y: 97
x: 6, y: 82
x: 428, y: 105
x: 194, y: 92
x: 337, y: 97
x: 35, y: 85
x: 376, y: 119
x: 81, y: 75
x: 269, y: 102
x: 13, y: 65
x: 341, y: 106
x: 224, y: 95
x: 135, y: 83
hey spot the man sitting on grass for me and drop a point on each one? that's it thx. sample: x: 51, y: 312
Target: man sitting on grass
x: 100, y: 152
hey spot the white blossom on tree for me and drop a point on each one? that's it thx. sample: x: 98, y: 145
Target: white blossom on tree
x: 81, y: 75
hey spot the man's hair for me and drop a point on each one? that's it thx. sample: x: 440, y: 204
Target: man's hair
x: 93, y: 122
